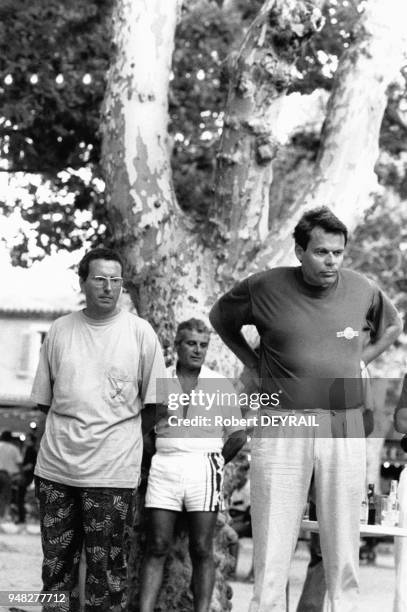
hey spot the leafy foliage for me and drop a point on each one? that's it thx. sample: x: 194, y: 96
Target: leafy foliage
x: 53, y: 62
x: 204, y: 38
x: 379, y: 248
x: 53, y: 59
x: 318, y: 64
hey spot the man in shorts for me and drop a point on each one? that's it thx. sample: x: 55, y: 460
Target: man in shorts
x: 96, y: 380
x: 316, y: 324
x: 187, y: 469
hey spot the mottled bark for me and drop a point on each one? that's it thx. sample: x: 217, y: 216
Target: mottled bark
x: 344, y: 176
x: 169, y: 271
x: 262, y: 72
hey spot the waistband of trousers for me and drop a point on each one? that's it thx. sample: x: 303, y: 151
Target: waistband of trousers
x: 277, y: 410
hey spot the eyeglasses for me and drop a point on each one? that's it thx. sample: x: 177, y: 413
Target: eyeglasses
x: 101, y: 281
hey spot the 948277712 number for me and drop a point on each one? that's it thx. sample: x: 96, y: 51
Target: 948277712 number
x: 33, y: 598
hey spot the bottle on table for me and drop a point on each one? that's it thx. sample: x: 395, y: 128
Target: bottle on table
x: 364, y: 511
x: 371, y: 502
x: 394, y: 503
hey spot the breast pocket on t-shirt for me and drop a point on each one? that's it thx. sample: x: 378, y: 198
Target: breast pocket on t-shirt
x: 121, y: 388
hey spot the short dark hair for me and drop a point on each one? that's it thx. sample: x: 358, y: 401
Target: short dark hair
x: 99, y: 253
x: 191, y: 325
x: 318, y: 217
x: 6, y: 436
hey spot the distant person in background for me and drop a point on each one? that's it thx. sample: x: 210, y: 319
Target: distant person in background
x: 239, y: 506
x: 10, y: 462
x: 26, y: 475
x: 239, y: 511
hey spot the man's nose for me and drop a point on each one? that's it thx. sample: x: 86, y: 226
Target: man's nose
x: 330, y: 259
x: 107, y: 285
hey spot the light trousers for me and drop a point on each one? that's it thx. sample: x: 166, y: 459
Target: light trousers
x: 283, y: 461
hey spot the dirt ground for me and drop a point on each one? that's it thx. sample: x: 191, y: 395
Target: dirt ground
x: 20, y: 569
x: 20, y: 563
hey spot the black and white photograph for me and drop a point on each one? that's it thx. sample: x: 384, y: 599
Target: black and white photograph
x: 203, y: 336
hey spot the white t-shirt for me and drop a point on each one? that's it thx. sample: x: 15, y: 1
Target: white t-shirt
x: 204, y: 436
x: 95, y: 375
x: 10, y: 458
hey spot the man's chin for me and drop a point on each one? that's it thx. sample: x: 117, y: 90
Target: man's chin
x: 106, y: 304
x: 103, y: 308
x: 328, y: 279
x: 195, y: 364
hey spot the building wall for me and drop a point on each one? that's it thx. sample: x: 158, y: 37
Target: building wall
x: 21, y: 337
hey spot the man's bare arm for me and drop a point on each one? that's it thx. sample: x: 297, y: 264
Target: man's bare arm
x: 150, y: 415
x: 234, y: 339
x: 390, y: 335
x: 233, y: 444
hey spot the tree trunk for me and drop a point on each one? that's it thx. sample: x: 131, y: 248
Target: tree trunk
x: 263, y: 71
x: 175, y: 270
x: 170, y: 269
x: 344, y: 176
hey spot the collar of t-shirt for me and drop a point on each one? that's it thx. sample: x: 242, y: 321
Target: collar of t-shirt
x: 101, y: 322
x: 314, y: 291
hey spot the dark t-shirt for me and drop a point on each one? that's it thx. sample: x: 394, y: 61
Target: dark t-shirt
x: 311, y: 338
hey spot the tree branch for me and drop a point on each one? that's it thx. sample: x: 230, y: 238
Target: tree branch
x: 344, y: 177
x: 262, y: 73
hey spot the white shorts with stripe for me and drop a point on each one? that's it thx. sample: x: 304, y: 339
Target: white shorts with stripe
x: 190, y: 481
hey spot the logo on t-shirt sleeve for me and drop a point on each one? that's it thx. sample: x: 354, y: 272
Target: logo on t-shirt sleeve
x: 348, y: 333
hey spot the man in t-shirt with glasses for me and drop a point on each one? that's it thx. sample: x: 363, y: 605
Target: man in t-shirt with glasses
x: 96, y: 380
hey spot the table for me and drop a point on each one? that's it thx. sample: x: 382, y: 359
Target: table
x: 366, y: 531
x: 244, y: 565
x: 374, y: 531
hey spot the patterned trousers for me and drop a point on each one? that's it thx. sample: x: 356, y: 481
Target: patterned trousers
x: 96, y: 518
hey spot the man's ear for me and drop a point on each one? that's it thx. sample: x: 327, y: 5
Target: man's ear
x: 299, y: 252
x: 81, y: 285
